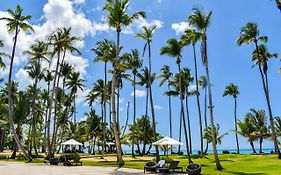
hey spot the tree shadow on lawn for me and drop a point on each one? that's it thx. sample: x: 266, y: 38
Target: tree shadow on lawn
x: 243, y: 173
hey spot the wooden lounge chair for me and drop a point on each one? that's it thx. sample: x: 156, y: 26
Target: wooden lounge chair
x: 152, y: 166
x: 174, y: 166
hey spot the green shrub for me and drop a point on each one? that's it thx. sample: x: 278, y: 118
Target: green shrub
x: 76, y: 157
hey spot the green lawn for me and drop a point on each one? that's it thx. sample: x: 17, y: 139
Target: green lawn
x: 232, y: 164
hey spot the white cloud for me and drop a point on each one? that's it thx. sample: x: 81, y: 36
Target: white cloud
x: 180, y: 27
x: 78, y: 1
x: 157, y: 107
x: 23, y: 79
x: 143, y: 22
x: 192, y: 88
x: 139, y: 93
x: 81, y: 97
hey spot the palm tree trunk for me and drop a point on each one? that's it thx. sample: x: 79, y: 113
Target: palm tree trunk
x: 10, y: 100
x: 198, y: 102
x: 50, y: 146
x: 205, y: 117
x: 235, y: 120
x: 253, y: 147
x: 46, y: 122
x: 153, y: 123
x: 103, y: 129
x: 188, y: 124
x: 170, y: 118
x: 34, y: 115
x: 151, y: 103
x: 127, y: 119
x: 180, y: 129
x: 120, y: 160
x: 182, y: 113
x: 261, y: 140
x: 146, y: 102
x: 118, y: 107
x: 218, y: 165
x: 266, y: 93
x: 134, y: 121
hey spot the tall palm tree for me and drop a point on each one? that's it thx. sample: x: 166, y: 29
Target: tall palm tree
x: 147, y: 37
x: 100, y: 90
x: 259, y: 119
x: 2, y: 64
x: 38, y: 51
x: 201, y: 22
x: 232, y: 90
x: 174, y: 49
x: 204, y: 84
x: 117, y: 18
x: 133, y: 63
x: 250, y: 34
x: 191, y: 36
x: 165, y: 77
x: 15, y: 23
x: 208, y: 134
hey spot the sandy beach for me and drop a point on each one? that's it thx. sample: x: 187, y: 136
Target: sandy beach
x: 12, y: 168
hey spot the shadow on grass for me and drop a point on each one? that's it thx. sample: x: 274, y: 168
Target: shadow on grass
x: 243, y: 173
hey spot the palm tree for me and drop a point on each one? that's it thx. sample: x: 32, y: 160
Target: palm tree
x: 38, y: 51
x: 166, y: 76
x: 278, y: 4
x: 174, y: 49
x: 201, y: 22
x: 117, y: 18
x: 204, y: 84
x: 192, y: 37
x: 15, y: 23
x: 258, y: 118
x: 278, y: 126
x: 144, y: 81
x: 2, y: 64
x: 100, y: 90
x: 250, y: 34
x: 208, y: 134
x: 247, y: 130
x: 232, y: 90
x: 133, y: 63
x: 74, y: 83
x: 147, y: 37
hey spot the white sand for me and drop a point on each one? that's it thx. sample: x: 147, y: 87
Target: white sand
x: 14, y: 168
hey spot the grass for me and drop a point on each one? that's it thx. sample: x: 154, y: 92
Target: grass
x: 232, y: 164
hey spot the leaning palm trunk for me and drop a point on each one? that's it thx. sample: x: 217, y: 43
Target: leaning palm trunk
x: 204, y: 55
x: 50, y: 146
x: 205, y: 117
x: 235, y: 120
x: 182, y: 113
x: 10, y: 100
x: 266, y: 93
x: 120, y: 160
x: 188, y: 124
x: 198, y: 102
x: 253, y: 147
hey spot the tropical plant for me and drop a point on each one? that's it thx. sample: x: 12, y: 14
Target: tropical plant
x: 247, y: 130
x: 232, y: 90
x: 2, y: 54
x: 117, y: 18
x: 278, y: 126
x: 259, y: 121
x: 208, y: 134
x: 250, y: 34
x: 15, y: 23
x: 174, y: 49
x: 201, y: 22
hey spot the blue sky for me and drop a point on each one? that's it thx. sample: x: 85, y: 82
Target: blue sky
x: 228, y: 62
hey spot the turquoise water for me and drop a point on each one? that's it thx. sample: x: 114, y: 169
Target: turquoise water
x: 242, y: 151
